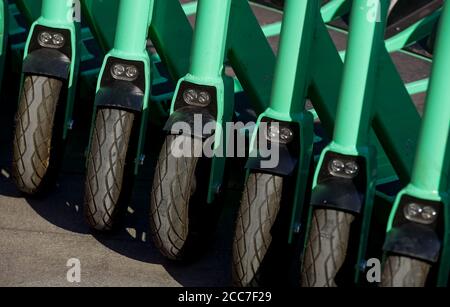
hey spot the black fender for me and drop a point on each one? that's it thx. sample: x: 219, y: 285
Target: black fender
x: 190, y: 120
x: 288, y: 153
x: 120, y: 94
x: 414, y: 240
x: 340, y: 194
x: 47, y: 62
x: 287, y: 163
x: 346, y: 194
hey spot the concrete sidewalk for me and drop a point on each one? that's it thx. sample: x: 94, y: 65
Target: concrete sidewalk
x: 37, y: 238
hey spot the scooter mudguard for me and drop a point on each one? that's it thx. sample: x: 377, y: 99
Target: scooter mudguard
x: 288, y: 153
x: 52, y: 62
x: 47, y: 62
x: 183, y: 121
x: 336, y: 191
x: 286, y: 166
x: 339, y: 194
x: 413, y: 238
x: 123, y: 94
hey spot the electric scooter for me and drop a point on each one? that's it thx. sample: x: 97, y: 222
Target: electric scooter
x: 323, y: 65
x: 287, y: 128
x: 344, y: 181
x: 186, y: 183
x: 418, y: 232
x: 120, y: 113
x: 44, y: 115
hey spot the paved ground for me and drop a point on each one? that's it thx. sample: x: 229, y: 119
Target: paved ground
x: 39, y: 236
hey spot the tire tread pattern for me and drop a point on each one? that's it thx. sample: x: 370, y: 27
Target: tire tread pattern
x: 173, y: 185
x: 106, y: 166
x: 402, y: 271
x: 33, y: 134
x: 326, y: 247
x: 257, y: 214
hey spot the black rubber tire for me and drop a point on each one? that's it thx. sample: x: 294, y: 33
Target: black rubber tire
x: 34, y: 143
x: 400, y: 271
x: 257, y: 214
x: 180, y: 219
x: 106, y: 167
x: 326, y: 247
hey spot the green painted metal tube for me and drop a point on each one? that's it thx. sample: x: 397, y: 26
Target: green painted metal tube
x: 429, y: 164
x: 57, y: 10
x: 31, y: 9
x: 334, y: 9
x: 290, y: 71
x: 414, y: 33
x: 190, y: 8
x: 135, y: 15
x: 272, y: 29
x: 366, y: 37
x: 171, y: 34
x: 254, y: 69
x: 211, y: 30
x: 417, y: 87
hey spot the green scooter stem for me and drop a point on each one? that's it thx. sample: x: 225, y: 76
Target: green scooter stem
x: 207, y: 60
x: 354, y: 111
x: 429, y: 181
x: 211, y: 29
x: 136, y: 17
x: 354, y: 118
x: 57, y: 10
x: 294, y: 49
x: 430, y: 172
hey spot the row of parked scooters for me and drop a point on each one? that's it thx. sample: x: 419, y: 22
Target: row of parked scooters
x: 321, y: 204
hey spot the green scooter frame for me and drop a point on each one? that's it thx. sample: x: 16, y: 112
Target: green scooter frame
x: 205, y: 96
x: 345, y: 177
x: 323, y: 66
x: 287, y: 111
x: 50, y: 71
x: 3, y: 37
x: 121, y: 108
x: 418, y: 229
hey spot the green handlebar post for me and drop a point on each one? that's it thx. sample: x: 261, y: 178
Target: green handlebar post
x: 429, y: 166
x: 366, y: 38
x: 57, y: 10
x: 296, y: 38
x: 135, y: 15
x: 211, y: 28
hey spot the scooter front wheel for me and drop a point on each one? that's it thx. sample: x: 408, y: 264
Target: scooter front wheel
x: 36, y: 145
x: 402, y: 271
x: 180, y: 218
x: 107, y: 167
x: 253, y: 236
x: 326, y: 247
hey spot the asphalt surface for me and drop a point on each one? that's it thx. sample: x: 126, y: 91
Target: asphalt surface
x: 39, y: 236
